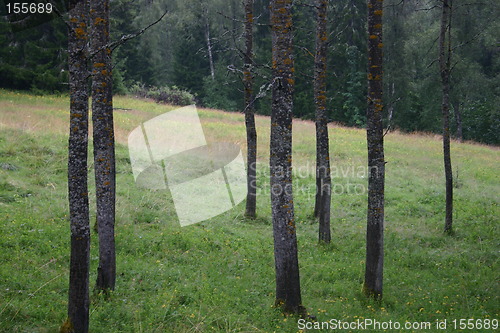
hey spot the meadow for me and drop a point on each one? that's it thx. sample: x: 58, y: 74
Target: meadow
x: 218, y: 275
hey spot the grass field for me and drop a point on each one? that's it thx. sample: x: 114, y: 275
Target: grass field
x: 218, y: 275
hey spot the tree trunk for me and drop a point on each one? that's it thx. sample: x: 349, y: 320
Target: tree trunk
x: 376, y: 165
x: 249, y: 113
x: 78, y: 304
x: 209, y: 44
x: 322, y: 145
x: 284, y: 229
x: 235, y: 34
x: 458, y: 119
x: 104, y: 143
x: 317, y: 198
x: 444, y: 67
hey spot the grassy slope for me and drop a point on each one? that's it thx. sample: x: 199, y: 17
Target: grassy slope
x: 218, y: 275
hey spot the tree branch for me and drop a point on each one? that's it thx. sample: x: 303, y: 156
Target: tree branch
x: 126, y: 38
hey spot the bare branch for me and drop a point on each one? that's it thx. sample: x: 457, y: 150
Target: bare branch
x: 305, y: 49
x: 126, y: 38
x: 262, y: 92
x: 394, y: 5
x: 242, y: 22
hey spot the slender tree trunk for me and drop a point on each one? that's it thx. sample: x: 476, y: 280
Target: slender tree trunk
x: 78, y: 304
x: 209, y: 44
x: 249, y: 113
x: 322, y: 145
x: 375, y: 220
x: 104, y: 143
x: 458, y: 119
x: 317, y: 198
x: 284, y: 228
x: 235, y: 35
x: 444, y: 67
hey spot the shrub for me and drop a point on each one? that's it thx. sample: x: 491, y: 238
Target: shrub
x: 166, y: 95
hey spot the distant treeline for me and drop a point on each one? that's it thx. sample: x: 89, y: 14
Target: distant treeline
x: 198, y: 48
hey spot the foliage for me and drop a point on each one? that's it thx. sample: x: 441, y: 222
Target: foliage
x: 33, y: 59
x: 412, y: 74
x: 166, y: 95
x: 221, y: 91
x: 304, y: 36
x: 347, y: 84
x: 174, y: 53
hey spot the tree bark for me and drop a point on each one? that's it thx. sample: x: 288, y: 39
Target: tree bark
x: 373, y: 283
x: 444, y: 68
x: 317, y: 198
x: 104, y: 143
x: 249, y: 113
x: 209, y: 44
x: 78, y: 303
x: 284, y: 229
x: 323, y: 191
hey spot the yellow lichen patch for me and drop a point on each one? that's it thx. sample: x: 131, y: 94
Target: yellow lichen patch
x: 288, y: 61
x: 380, y: 45
x: 378, y: 12
x: 290, y: 81
x: 378, y: 26
x: 103, y: 84
x: 99, y: 64
x: 373, y: 36
x: 370, y: 76
x: 104, y: 72
x: 99, y: 20
x: 80, y: 32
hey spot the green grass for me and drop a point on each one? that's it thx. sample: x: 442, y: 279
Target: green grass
x: 219, y: 275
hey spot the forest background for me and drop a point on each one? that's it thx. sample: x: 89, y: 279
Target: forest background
x: 204, y: 39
